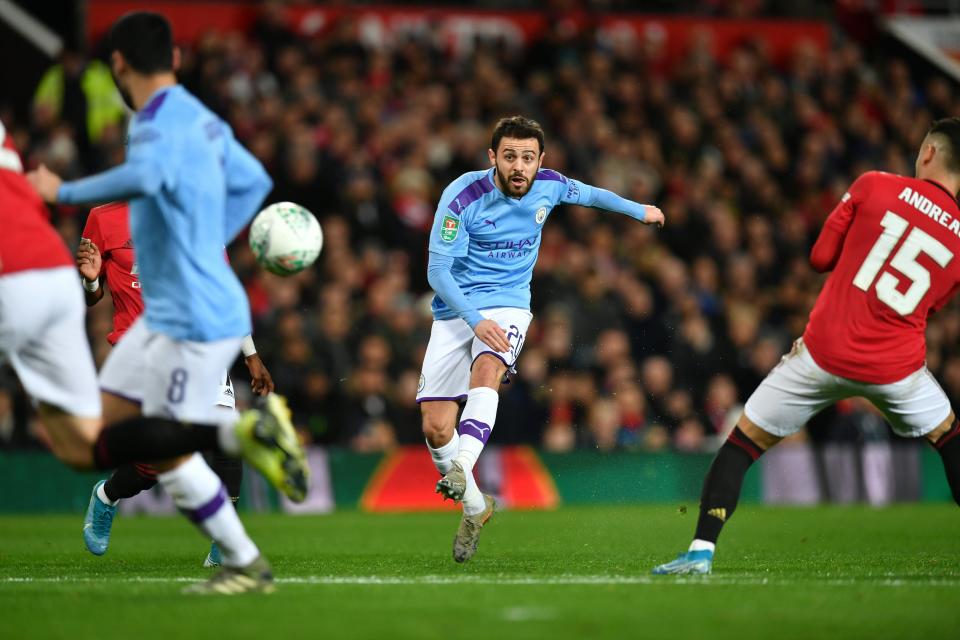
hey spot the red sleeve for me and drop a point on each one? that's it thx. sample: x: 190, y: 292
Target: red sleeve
x: 92, y: 230
x: 826, y: 250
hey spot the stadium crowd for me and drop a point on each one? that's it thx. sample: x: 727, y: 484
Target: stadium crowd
x: 642, y: 338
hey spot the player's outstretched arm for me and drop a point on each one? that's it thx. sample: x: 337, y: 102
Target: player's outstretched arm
x: 441, y: 279
x: 261, y: 383
x: 247, y: 186
x: 89, y: 264
x: 129, y: 180
x: 589, y: 196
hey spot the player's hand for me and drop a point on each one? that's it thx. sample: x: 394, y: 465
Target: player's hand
x: 653, y: 215
x: 492, y: 335
x: 89, y: 261
x: 260, y: 381
x: 46, y: 182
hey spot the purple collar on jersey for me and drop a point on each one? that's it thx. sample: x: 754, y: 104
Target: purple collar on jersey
x: 153, y: 105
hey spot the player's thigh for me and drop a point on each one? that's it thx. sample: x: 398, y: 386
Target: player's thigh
x: 796, y: 390
x: 42, y: 334
x: 515, y: 323
x: 116, y: 408
x: 71, y: 437
x: 445, y: 374
x: 123, y: 372
x: 181, y: 377
x: 914, y: 406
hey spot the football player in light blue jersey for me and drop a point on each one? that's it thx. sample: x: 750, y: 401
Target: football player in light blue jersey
x: 192, y: 188
x: 483, y: 247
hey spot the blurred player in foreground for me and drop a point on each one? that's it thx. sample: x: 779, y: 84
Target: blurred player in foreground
x: 106, y: 257
x: 892, y: 244
x: 483, y: 246
x: 192, y: 188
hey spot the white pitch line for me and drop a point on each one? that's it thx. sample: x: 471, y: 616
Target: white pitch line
x: 555, y: 580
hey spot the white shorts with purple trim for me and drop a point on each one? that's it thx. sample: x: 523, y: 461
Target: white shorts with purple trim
x: 171, y: 378
x: 42, y: 336
x: 453, y: 348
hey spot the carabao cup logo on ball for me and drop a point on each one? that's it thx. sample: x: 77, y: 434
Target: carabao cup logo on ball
x: 285, y: 238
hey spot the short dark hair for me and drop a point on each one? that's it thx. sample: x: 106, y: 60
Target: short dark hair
x: 146, y: 41
x: 516, y: 127
x: 949, y: 130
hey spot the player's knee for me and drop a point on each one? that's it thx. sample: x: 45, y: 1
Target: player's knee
x: 437, y: 429
x: 436, y: 432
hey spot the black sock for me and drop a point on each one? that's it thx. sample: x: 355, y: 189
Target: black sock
x: 151, y: 439
x: 229, y: 469
x: 948, y: 446
x: 721, y: 488
x: 129, y: 480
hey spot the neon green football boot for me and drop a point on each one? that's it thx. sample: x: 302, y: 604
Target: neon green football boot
x: 270, y: 444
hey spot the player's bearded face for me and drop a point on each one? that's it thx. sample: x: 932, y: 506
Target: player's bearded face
x: 117, y: 68
x: 517, y: 162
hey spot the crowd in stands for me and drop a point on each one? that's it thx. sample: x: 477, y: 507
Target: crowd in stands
x: 642, y: 338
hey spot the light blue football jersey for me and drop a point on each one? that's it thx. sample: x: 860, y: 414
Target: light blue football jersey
x: 192, y: 188
x: 495, y: 239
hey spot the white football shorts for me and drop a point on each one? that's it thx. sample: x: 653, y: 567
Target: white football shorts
x: 170, y: 378
x: 798, y: 388
x: 42, y: 334
x: 453, y: 348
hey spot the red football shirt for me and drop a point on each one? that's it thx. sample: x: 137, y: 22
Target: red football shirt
x: 27, y: 240
x: 108, y: 226
x: 895, y: 244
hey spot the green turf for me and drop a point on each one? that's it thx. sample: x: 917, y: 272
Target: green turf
x: 574, y: 573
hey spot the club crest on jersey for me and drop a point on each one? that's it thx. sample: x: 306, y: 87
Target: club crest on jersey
x: 449, y: 228
x: 541, y: 215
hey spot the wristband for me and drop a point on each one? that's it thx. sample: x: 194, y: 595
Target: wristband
x: 90, y: 286
x: 247, y: 347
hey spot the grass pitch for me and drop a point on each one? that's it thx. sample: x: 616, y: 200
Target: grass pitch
x: 573, y: 573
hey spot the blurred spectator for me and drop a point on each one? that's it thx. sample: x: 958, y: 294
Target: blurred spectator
x: 77, y: 103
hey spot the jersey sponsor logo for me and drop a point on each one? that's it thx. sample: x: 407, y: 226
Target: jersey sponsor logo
x: 573, y: 191
x: 449, y: 229
x: 541, y: 215
x: 508, y: 249
x: 845, y: 197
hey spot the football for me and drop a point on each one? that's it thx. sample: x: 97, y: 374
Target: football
x: 285, y: 238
